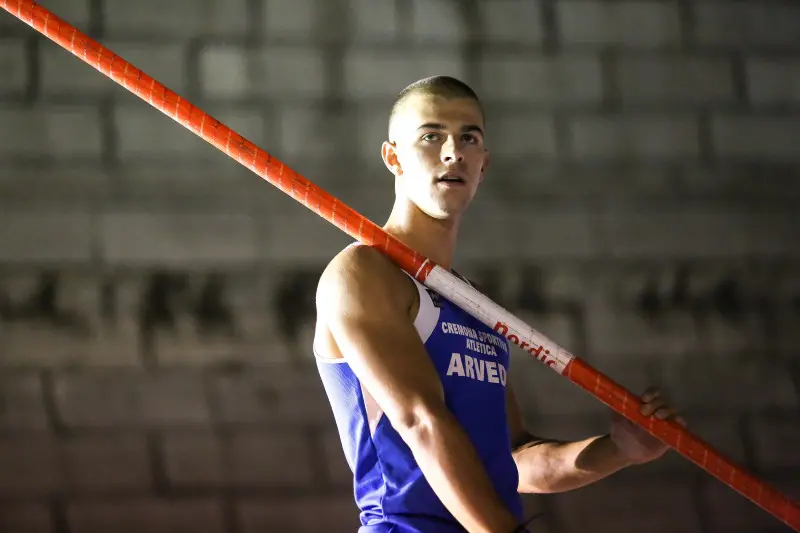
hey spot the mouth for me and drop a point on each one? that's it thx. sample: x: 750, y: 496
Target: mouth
x: 451, y: 178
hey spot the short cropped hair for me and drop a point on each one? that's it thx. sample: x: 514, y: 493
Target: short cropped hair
x: 445, y: 86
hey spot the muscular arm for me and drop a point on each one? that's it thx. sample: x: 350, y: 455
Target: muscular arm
x: 365, y: 301
x: 548, y: 466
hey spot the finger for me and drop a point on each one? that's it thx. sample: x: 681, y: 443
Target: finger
x: 652, y: 406
x: 665, y: 413
x: 650, y: 394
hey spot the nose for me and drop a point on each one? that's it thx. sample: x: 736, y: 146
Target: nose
x: 451, y: 152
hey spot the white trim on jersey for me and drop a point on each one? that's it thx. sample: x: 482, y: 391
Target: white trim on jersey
x: 427, y: 315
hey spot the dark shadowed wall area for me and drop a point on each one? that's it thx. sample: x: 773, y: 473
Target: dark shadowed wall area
x: 156, y: 298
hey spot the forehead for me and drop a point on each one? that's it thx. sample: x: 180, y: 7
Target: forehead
x: 420, y: 109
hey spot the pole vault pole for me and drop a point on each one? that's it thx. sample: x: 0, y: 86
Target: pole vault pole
x: 423, y: 269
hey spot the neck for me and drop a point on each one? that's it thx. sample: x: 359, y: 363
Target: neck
x: 433, y: 238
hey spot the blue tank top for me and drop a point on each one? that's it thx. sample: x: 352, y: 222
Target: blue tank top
x: 390, y: 489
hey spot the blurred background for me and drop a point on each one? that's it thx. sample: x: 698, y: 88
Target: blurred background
x: 156, y: 298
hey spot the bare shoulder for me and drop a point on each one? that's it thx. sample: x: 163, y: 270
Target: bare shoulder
x: 359, y: 288
x: 363, y: 274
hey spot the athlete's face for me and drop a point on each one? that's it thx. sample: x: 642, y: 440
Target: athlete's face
x: 436, y: 151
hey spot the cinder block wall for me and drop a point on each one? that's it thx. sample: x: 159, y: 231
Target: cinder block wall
x: 156, y: 298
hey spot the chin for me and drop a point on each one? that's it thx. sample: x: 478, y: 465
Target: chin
x: 447, y: 211
x: 444, y: 206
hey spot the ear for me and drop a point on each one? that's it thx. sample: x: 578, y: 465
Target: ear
x: 486, y: 160
x: 390, y: 159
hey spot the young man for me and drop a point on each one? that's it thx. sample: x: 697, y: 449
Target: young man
x: 434, y: 451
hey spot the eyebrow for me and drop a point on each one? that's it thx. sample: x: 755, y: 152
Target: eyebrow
x: 438, y: 126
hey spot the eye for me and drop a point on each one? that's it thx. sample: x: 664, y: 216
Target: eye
x: 472, y: 139
x: 430, y: 137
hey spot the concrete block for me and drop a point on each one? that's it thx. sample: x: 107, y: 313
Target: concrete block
x: 398, y: 69
x: 438, y: 21
x: 743, y: 25
x: 116, y: 399
x: 786, y: 337
x: 146, y: 134
x: 105, y: 464
x: 618, y: 287
x: 186, y: 240
x: 564, y: 282
x: 773, y: 233
x: 671, y: 79
x: 165, y: 62
x: 249, y: 122
x: 337, y: 470
x: 624, y: 503
x: 33, y: 517
x: 702, y: 383
x: 627, y: 23
x: 60, y: 131
x: 725, y: 338
x: 224, y: 71
x: 667, y: 233
x: 775, y: 437
x: 298, y: 236
x: 195, y: 343
x: 730, y: 512
x: 372, y: 126
x: 521, y: 135
x: 586, y: 179
x: 211, y: 322
x: 330, y: 514
x: 217, y: 183
x: 192, y: 459
x: 755, y: 137
x: 14, y: 67
x: 168, y: 515
x: 374, y: 195
x: 28, y: 465
x: 271, y: 459
x: 177, y: 308
x: 373, y: 21
x: 314, y: 132
x: 289, y: 18
x: 546, y: 394
x: 779, y: 284
x: 62, y: 319
x: 77, y: 13
x: 45, y: 238
x: 153, y: 18
x: 245, y: 459
x: 73, y: 188
x: 738, y: 179
x: 290, y: 72
x: 63, y: 74
x: 563, y: 80
x: 22, y: 402
x: 277, y: 395
x: 617, y: 336
x: 512, y: 21
x: 551, y: 233
x: 640, y: 137
x: 773, y: 82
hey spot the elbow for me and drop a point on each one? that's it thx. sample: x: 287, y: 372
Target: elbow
x: 417, y: 423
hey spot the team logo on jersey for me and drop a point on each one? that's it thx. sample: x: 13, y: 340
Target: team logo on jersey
x: 436, y: 298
